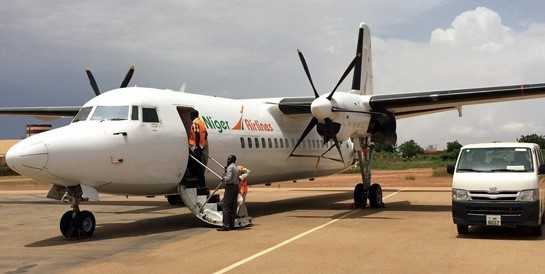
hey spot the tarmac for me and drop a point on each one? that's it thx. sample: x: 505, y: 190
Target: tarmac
x: 297, y: 230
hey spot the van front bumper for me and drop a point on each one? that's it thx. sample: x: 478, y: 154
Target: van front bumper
x: 512, y: 213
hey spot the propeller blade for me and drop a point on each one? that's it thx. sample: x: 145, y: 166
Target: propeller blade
x: 338, y: 148
x: 128, y: 77
x: 322, y: 155
x: 313, y: 122
x: 346, y: 72
x: 92, y: 81
x: 302, y: 58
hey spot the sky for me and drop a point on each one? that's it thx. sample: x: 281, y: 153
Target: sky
x: 247, y: 49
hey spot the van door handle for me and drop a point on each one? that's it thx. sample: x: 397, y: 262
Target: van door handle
x: 123, y: 133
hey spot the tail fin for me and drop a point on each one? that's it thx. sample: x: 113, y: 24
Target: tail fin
x: 362, y: 82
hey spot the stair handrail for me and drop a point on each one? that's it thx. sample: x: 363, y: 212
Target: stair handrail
x: 217, y: 187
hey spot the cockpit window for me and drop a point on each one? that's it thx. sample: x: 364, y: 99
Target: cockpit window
x: 149, y: 115
x: 111, y: 113
x: 82, y: 115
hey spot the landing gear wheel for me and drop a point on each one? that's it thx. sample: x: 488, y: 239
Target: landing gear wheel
x: 174, y: 200
x: 77, y: 225
x: 360, y: 196
x: 87, y: 224
x: 462, y: 229
x: 68, y: 225
x: 375, y: 196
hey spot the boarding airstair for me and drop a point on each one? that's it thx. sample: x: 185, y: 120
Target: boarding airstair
x: 205, y: 205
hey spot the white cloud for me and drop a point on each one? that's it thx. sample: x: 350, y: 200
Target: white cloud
x: 476, y: 50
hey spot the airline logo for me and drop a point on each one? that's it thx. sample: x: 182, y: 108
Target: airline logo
x: 242, y: 124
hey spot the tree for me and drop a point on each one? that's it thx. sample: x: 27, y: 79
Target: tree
x: 379, y: 147
x: 533, y: 138
x: 410, y: 149
x: 453, y: 148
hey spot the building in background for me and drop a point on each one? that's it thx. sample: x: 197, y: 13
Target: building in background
x: 33, y: 129
x: 5, y: 145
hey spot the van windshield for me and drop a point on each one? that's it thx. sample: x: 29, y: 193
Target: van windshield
x: 497, y: 159
x: 111, y: 113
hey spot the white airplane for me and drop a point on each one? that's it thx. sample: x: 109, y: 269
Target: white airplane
x: 133, y: 140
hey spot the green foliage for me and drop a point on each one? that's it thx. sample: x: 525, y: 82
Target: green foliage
x: 410, y: 149
x: 6, y: 171
x: 451, y: 154
x: 384, y: 148
x: 533, y: 138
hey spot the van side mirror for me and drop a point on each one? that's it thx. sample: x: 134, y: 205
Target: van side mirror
x: 450, y: 169
x: 541, y: 170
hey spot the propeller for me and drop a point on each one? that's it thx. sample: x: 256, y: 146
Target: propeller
x: 322, y: 108
x: 328, y: 129
x: 94, y: 84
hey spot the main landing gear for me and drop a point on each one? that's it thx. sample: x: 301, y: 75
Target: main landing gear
x: 366, y: 191
x: 76, y: 224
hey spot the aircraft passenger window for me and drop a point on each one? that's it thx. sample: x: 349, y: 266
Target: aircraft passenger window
x: 293, y: 142
x: 270, y: 142
x: 111, y: 113
x: 275, y: 143
x: 149, y: 115
x: 82, y: 114
x: 256, y: 142
x: 263, y: 144
x: 134, y: 113
x: 309, y: 144
x: 281, y: 143
x: 287, y: 142
x: 249, y: 142
x: 242, y: 142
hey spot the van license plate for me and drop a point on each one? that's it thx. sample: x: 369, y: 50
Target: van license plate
x: 493, y: 220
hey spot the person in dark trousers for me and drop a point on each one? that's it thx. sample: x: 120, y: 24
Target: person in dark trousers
x: 198, y: 144
x: 230, y: 196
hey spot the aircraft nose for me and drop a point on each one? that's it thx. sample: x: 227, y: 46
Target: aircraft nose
x: 27, y: 158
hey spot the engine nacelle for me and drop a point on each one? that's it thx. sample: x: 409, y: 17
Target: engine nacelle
x: 382, y: 128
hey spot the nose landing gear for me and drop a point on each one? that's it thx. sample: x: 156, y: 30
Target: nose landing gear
x: 76, y: 224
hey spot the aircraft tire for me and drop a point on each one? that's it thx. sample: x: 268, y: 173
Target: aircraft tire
x: 82, y: 225
x: 68, y: 225
x: 375, y: 196
x: 86, y: 223
x: 360, y: 196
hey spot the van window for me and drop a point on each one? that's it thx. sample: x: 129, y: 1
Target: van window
x: 111, y: 113
x: 496, y: 159
x: 134, y: 113
x: 149, y: 115
x: 82, y: 115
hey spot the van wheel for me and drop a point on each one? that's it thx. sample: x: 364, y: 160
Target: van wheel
x: 536, y: 230
x: 462, y: 229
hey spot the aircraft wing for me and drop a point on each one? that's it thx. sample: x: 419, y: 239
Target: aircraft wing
x: 405, y: 105
x: 420, y: 103
x: 41, y: 112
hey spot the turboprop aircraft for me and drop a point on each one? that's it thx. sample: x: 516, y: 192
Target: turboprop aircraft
x: 133, y: 140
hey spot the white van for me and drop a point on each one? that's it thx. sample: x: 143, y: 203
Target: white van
x: 498, y: 184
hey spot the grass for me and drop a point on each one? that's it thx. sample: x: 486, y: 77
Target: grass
x: 392, y: 161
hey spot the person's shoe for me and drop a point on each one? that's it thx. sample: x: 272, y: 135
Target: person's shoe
x: 223, y: 229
